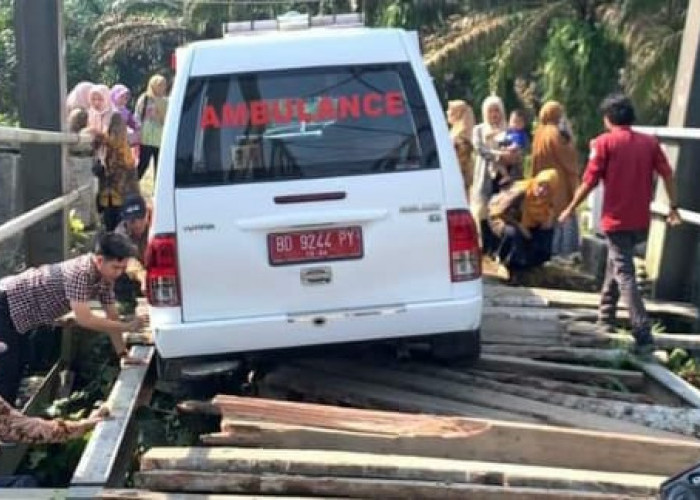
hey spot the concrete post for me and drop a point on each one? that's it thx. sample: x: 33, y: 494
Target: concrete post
x: 41, y: 95
x: 671, y: 251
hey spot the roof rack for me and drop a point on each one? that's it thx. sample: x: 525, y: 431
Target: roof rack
x: 294, y: 20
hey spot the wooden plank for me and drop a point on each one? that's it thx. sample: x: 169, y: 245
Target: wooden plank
x: 100, y: 463
x: 690, y: 342
x: 582, y: 355
x: 501, y: 442
x: 358, y: 488
x: 522, y: 324
x: 496, y: 295
x: 560, y: 371
x: 320, y: 463
x: 568, y: 387
x: 672, y: 382
x: 679, y: 420
x: 549, y: 413
x: 32, y: 493
x: 132, y: 494
x: 342, y: 390
x: 347, y: 419
x: 12, y: 454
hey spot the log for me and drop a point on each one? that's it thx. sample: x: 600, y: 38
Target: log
x: 559, y: 371
x: 342, y: 390
x: 340, y: 464
x: 679, y: 420
x: 472, y: 394
x: 522, y: 324
x: 202, y: 407
x: 496, y: 295
x: 501, y: 442
x: 565, y: 387
x: 356, y: 488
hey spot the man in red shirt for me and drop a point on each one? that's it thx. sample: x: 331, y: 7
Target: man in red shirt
x: 625, y: 161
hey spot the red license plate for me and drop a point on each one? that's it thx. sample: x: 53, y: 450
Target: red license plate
x: 315, y: 245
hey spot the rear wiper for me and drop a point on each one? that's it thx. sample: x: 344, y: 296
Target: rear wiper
x: 285, y: 135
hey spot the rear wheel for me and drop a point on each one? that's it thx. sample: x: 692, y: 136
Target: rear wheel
x: 463, y: 348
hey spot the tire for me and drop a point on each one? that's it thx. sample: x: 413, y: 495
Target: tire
x: 463, y: 348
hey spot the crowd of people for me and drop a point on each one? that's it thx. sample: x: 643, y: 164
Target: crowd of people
x: 126, y: 140
x: 523, y: 222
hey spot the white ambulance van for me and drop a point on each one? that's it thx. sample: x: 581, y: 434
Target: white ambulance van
x: 308, y: 194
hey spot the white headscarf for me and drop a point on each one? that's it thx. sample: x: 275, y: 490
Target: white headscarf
x: 490, y: 101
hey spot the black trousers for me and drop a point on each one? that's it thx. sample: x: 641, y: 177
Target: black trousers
x: 145, y: 155
x: 13, y: 360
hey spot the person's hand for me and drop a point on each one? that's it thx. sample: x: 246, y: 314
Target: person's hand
x: 136, y: 324
x: 99, y: 414
x: 674, y: 218
x: 564, y: 215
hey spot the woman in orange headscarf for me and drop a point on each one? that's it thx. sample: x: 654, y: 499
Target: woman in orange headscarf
x: 522, y: 218
x: 553, y: 147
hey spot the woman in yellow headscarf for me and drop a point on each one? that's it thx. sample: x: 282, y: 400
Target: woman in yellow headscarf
x: 553, y: 147
x: 460, y: 116
x: 522, y: 218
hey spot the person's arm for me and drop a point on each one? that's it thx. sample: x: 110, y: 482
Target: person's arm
x: 662, y: 167
x: 109, y: 325
x: 15, y: 427
x: 597, y: 162
x: 581, y: 194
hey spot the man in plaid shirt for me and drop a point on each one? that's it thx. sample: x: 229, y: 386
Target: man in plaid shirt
x: 39, y: 296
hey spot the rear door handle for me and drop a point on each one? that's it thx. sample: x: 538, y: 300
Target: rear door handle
x: 310, y: 197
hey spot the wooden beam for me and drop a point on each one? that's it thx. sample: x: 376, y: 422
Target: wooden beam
x: 578, y: 389
x: 612, y: 357
x: 342, y: 390
x: 672, y: 382
x: 687, y: 341
x: 474, y: 395
x: 359, y: 488
x: 102, y: 461
x: 496, y: 295
x: 132, y: 494
x: 507, y: 442
x: 678, y: 420
x: 560, y: 371
x: 320, y: 463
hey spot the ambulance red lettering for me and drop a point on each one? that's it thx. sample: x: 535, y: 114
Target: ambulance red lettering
x: 209, y: 118
x: 394, y: 105
x: 258, y: 113
x: 349, y: 106
x: 302, y: 115
x: 370, y: 107
x: 277, y: 115
x: 234, y: 116
x: 326, y: 109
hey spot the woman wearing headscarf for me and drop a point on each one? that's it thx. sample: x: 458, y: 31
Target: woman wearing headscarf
x: 460, y: 116
x: 100, y: 110
x: 522, y: 217
x: 490, y: 159
x: 150, y: 110
x: 120, y: 96
x: 79, y: 97
x: 553, y: 147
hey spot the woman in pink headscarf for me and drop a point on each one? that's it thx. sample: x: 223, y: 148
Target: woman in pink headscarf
x: 100, y: 110
x: 120, y: 96
x: 79, y: 97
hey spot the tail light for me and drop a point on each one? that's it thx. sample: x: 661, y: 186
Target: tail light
x: 465, y: 256
x: 162, y: 281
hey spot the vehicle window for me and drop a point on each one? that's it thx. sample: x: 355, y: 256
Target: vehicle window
x: 303, y: 124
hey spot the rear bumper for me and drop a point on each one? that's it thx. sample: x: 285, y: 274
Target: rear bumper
x: 209, y: 338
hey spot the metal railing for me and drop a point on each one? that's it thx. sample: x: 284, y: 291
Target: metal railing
x: 15, y: 135
x: 673, y: 134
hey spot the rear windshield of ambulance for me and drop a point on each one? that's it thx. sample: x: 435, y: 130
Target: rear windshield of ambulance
x: 303, y: 124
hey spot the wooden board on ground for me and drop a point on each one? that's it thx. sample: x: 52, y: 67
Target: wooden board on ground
x: 496, y: 295
x: 672, y: 382
x: 334, y: 487
x: 549, y: 413
x: 394, y: 468
x: 690, y: 342
x: 342, y: 390
x: 498, y: 442
x: 576, y: 373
